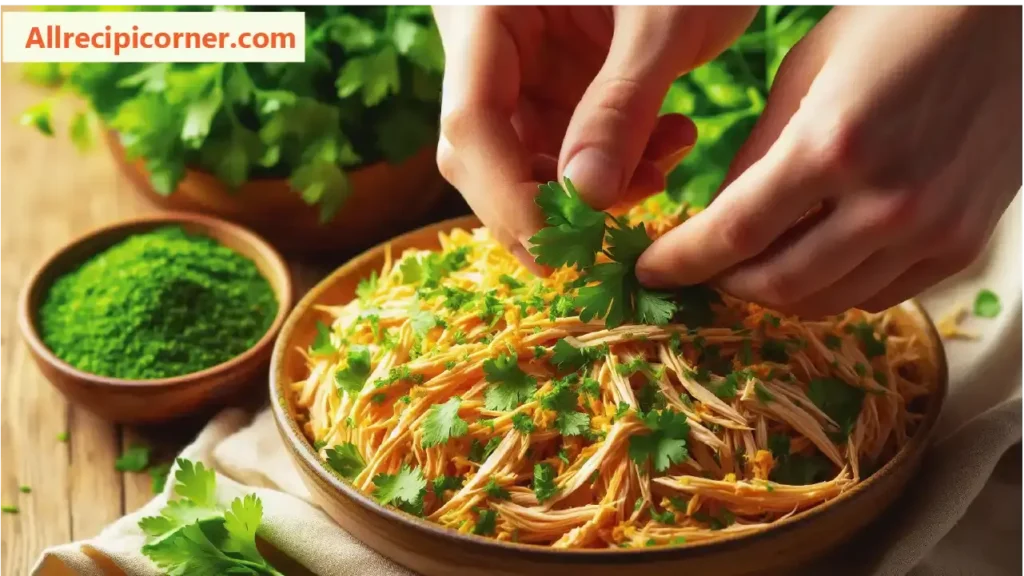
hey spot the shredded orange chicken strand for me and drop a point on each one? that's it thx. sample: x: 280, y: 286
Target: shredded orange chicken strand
x: 605, y: 499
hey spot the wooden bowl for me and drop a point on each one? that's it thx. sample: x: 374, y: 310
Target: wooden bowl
x: 161, y: 399
x: 386, y: 200
x: 433, y: 550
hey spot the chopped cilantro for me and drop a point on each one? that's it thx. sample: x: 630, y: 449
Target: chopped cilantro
x: 63, y: 437
x: 378, y: 398
x: 509, y: 385
x: 650, y: 397
x: 346, y: 460
x: 443, y: 423
x: 322, y: 345
x: 873, y: 345
x: 404, y: 490
x: 590, y: 387
x: 544, y: 482
x: 569, y: 357
x: 860, y: 369
x: 796, y: 469
x: 522, y: 423
x: 134, y: 459
x: 509, y: 281
x: 667, y: 517
x: 563, y: 456
x: 367, y: 286
x: 746, y: 353
x: 620, y: 411
x: 665, y: 442
x: 762, y: 393
x: 485, y: 523
x: 478, y: 452
x: 774, y: 351
x: 563, y: 400
x: 353, y: 377
x: 496, y: 491
x: 9, y: 509
x: 833, y: 342
x: 986, y: 304
x: 840, y: 401
x: 441, y: 484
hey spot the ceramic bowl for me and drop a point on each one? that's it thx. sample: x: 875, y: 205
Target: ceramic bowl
x: 433, y: 550
x: 136, y: 401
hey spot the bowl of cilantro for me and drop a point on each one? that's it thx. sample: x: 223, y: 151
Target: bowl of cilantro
x: 332, y: 154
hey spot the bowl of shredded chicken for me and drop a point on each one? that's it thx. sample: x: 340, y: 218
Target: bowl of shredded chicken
x: 578, y: 411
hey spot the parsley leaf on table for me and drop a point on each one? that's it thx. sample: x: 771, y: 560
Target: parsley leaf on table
x: 134, y: 459
x: 353, y: 376
x: 986, y: 304
x: 840, y: 401
x: 664, y: 444
x: 443, y: 422
x: 405, y: 490
x: 345, y: 459
x: 544, y: 481
x: 192, y: 536
x: 509, y: 385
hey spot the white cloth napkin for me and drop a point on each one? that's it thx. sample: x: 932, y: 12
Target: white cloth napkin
x: 959, y: 516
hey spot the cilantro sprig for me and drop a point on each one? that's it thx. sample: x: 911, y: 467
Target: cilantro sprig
x: 443, y: 423
x: 575, y: 235
x: 403, y: 490
x: 193, y: 535
x: 509, y: 385
x: 665, y: 442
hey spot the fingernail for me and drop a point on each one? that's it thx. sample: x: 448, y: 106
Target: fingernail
x: 596, y: 175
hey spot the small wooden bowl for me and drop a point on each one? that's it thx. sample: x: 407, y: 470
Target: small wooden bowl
x: 137, y: 401
x: 432, y: 550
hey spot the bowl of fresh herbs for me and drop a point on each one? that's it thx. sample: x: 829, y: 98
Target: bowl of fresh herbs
x: 333, y: 153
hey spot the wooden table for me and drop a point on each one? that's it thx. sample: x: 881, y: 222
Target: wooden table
x: 51, y: 194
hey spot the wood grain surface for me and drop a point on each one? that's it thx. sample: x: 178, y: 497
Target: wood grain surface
x: 51, y: 193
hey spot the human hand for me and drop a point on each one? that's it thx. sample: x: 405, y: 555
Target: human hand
x: 901, y: 126
x: 532, y: 94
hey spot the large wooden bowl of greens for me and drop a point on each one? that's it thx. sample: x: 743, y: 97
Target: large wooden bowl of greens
x: 334, y: 153
x: 380, y: 481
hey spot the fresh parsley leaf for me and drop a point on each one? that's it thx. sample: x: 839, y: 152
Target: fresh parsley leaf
x: 346, y: 460
x: 570, y: 358
x: 443, y: 423
x: 865, y: 332
x: 496, y: 491
x: 563, y: 401
x: 353, y: 377
x: 322, y: 345
x: 544, y: 482
x: 833, y: 342
x: 774, y: 351
x: 405, y: 490
x: 134, y: 459
x: 485, y: 524
x: 840, y: 401
x: 522, y: 423
x: 509, y: 281
x: 367, y: 286
x: 575, y: 231
x: 986, y: 304
x: 654, y: 307
x: 665, y: 442
x: 441, y: 484
x: 509, y: 385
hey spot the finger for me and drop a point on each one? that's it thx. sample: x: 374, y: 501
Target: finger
x: 673, y: 137
x: 872, y: 276
x: 648, y: 179
x: 743, y: 221
x: 480, y: 152
x: 614, y: 120
x: 909, y: 284
x: 857, y: 227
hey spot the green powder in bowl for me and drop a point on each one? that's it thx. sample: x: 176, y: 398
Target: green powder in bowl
x: 158, y: 304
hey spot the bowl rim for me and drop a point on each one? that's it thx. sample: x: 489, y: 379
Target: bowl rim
x: 28, y: 322
x: 304, y: 454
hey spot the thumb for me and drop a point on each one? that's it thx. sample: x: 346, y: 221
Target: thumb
x: 614, y: 120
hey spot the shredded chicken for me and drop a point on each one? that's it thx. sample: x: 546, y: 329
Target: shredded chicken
x: 764, y: 401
